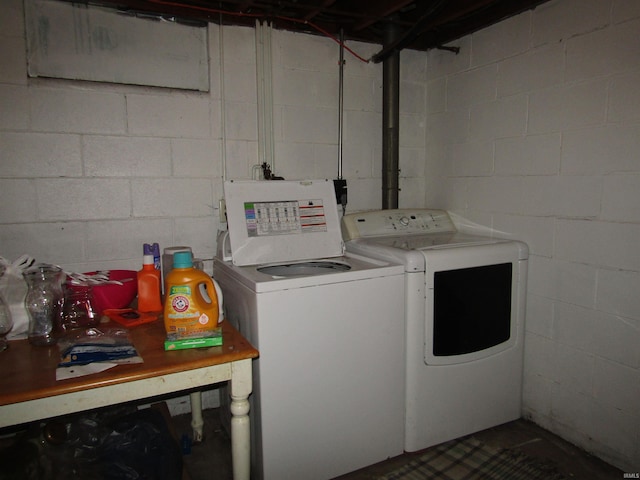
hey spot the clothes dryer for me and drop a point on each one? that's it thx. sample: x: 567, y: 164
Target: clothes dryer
x: 328, y: 393
x: 464, y: 320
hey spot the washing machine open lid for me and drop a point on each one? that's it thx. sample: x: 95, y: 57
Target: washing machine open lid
x: 282, y: 221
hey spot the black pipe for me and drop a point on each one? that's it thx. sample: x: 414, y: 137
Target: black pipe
x: 420, y: 27
x: 390, y: 120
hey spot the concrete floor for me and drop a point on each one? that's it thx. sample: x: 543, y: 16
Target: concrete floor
x: 212, y: 458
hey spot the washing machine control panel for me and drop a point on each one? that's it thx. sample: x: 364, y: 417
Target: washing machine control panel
x: 379, y: 223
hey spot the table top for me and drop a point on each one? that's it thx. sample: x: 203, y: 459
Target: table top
x: 29, y: 372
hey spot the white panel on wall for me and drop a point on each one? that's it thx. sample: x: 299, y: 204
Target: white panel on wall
x: 81, y: 42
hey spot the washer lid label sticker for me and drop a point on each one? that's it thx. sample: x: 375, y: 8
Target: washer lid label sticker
x: 284, y: 217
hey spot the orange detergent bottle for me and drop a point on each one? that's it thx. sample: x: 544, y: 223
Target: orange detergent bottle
x: 191, y: 303
x: 149, y: 283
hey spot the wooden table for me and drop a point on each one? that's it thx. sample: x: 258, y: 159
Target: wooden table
x: 29, y: 390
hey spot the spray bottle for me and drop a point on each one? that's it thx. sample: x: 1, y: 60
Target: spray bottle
x: 153, y: 249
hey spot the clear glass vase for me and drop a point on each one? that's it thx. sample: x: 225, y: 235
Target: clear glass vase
x: 43, y: 302
x: 6, y: 323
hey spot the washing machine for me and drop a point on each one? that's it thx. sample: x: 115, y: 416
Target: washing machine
x: 328, y: 392
x: 464, y: 323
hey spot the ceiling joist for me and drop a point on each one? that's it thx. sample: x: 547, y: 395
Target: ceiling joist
x: 423, y: 24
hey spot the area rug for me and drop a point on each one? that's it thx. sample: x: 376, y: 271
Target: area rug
x: 470, y: 459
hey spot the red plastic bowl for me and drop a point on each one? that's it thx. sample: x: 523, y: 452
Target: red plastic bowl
x: 115, y: 296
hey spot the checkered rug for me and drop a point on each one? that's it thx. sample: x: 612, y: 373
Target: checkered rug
x: 470, y: 459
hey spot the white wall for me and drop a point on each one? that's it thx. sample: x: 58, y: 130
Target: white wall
x: 89, y: 172
x: 534, y: 129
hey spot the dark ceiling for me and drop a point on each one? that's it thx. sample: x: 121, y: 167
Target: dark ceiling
x: 396, y: 24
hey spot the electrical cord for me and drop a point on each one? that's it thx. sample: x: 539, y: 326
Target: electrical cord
x: 257, y: 15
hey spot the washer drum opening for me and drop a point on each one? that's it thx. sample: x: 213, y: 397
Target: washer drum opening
x: 304, y: 269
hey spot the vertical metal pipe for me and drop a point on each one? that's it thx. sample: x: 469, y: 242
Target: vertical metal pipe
x: 340, y: 103
x: 262, y: 155
x: 390, y: 121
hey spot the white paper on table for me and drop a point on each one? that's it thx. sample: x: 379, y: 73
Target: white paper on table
x: 63, y: 373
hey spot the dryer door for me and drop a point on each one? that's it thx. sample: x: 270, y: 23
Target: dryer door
x: 472, y: 305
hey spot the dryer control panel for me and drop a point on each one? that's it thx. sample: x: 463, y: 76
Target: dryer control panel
x: 379, y: 223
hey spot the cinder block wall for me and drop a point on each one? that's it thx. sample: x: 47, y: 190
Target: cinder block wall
x: 89, y: 171
x: 534, y: 130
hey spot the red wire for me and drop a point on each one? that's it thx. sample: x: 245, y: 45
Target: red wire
x: 256, y: 15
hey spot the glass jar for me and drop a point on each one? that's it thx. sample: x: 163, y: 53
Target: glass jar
x: 44, y: 302
x: 77, y: 310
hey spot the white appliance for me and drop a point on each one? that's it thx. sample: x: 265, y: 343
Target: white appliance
x: 465, y: 306
x: 328, y: 393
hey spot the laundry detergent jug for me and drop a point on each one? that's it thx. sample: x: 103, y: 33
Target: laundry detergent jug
x: 193, y: 301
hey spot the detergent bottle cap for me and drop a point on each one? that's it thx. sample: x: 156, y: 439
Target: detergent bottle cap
x: 182, y: 260
x: 147, y: 260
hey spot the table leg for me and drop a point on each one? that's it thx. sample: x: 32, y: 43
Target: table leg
x: 240, y: 426
x: 197, y: 422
